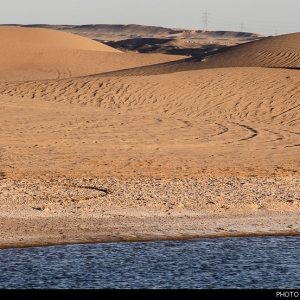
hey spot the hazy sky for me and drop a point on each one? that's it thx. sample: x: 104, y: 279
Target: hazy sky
x: 268, y: 17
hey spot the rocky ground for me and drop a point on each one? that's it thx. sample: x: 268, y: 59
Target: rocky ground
x: 64, y: 211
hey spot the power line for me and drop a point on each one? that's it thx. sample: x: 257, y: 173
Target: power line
x: 255, y: 21
x: 229, y: 22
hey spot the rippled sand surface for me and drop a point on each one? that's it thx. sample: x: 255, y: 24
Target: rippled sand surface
x: 100, y: 145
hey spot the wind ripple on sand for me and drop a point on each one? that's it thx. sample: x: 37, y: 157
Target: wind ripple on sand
x: 268, y: 95
x: 174, y: 123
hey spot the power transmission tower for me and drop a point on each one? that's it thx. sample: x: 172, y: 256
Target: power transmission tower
x: 242, y: 26
x: 276, y: 33
x: 205, y: 20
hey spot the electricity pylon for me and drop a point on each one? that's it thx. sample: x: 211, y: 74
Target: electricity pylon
x: 205, y: 20
x: 242, y: 26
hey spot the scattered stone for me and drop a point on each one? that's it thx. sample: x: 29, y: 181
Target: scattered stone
x: 37, y: 208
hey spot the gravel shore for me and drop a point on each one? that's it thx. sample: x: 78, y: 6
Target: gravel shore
x: 67, y: 211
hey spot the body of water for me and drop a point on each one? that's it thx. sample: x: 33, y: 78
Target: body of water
x: 221, y: 263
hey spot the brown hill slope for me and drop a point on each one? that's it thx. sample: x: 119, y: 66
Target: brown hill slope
x: 53, y: 38
x: 230, y: 120
x: 118, y: 32
x: 154, y: 39
x: 34, y: 53
x: 207, y: 152
x: 174, y: 123
x: 271, y: 52
x: 253, y: 94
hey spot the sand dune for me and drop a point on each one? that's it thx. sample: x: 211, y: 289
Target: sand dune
x: 271, y: 52
x: 252, y: 94
x: 228, y: 107
x: 52, y: 38
x: 152, y: 140
x: 195, y: 111
x: 34, y: 54
x: 154, y: 39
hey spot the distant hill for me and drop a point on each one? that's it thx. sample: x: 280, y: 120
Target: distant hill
x: 154, y: 39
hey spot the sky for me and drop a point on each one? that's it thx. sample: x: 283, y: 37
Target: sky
x: 267, y: 17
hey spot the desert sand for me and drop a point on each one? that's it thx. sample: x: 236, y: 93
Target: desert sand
x: 100, y: 145
x: 153, y: 39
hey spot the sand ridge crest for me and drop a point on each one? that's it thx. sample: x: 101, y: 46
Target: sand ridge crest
x: 51, y: 38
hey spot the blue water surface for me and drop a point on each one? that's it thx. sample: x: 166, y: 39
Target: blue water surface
x: 221, y: 263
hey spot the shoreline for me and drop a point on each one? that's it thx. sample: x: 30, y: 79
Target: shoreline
x: 141, y: 240
x: 35, y: 213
